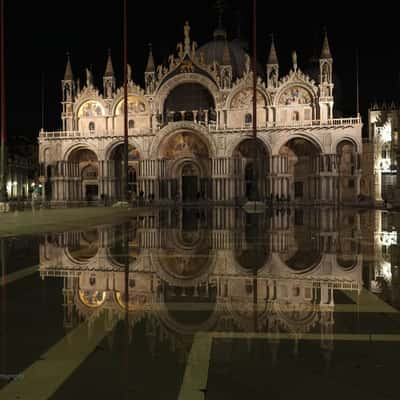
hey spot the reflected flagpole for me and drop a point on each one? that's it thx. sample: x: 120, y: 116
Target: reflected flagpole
x: 125, y: 172
x: 3, y: 113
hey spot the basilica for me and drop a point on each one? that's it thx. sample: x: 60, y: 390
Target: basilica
x: 191, y: 131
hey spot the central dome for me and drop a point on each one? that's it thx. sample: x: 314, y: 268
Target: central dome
x: 214, y: 51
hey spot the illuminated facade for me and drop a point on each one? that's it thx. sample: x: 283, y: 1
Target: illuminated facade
x: 383, y: 124
x: 209, y: 263
x: 189, y: 131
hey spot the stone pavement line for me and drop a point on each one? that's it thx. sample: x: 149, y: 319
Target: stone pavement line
x: 369, y: 302
x: 41, y: 380
x: 15, y: 276
x: 194, y: 383
x: 196, y: 373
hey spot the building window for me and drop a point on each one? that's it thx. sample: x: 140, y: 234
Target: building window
x: 248, y: 119
x: 92, y: 126
x: 295, y: 116
x: 131, y: 124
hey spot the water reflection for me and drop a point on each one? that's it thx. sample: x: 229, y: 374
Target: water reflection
x: 219, y: 270
x: 143, y: 295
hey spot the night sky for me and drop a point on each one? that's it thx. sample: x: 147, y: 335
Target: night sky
x: 38, y: 35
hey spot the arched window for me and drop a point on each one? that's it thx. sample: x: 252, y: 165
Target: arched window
x: 188, y: 116
x: 177, y: 116
x: 131, y: 124
x: 248, y: 119
x: 92, y: 126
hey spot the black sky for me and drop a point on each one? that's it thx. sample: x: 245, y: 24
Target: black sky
x: 38, y: 35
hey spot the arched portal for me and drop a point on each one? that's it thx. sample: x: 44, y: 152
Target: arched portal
x: 84, y: 164
x: 347, y: 167
x: 117, y: 171
x: 190, y: 102
x: 255, y: 169
x: 188, y: 177
x: 299, y: 156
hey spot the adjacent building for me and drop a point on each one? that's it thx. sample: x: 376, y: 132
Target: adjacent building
x: 382, y: 180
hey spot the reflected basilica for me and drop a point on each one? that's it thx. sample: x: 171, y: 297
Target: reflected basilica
x: 216, y: 270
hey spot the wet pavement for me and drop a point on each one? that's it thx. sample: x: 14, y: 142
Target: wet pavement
x: 213, y: 303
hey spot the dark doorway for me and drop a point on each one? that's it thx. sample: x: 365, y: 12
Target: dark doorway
x: 298, y: 189
x: 251, y: 182
x: 189, y: 188
x: 92, y: 192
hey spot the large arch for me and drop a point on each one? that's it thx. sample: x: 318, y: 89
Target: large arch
x: 82, y: 163
x: 189, y: 101
x: 115, y: 161
x: 188, y: 155
x: 255, y: 162
x: 185, y: 126
x: 170, y: 84
x: 244, y: 88
x: 348, y: 166
x: 300, y: 154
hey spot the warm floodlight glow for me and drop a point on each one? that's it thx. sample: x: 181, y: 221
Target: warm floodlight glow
x: 385, y: 132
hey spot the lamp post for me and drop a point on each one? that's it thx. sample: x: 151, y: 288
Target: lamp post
x: 3, y: 186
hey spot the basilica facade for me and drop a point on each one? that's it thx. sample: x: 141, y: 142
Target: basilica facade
x: 191, y: 132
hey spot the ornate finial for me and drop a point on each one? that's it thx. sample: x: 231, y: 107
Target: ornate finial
x: 150, y: 62
x: 294, y: 60
x: 186, y: 31
x: 326, y: 51
x: 68, y: 75
x: 129, y: 73
x: 89, y: 77
x: 109, y: 66
x: 272, y: 57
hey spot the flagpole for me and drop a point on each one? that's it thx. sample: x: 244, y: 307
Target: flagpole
x: 358, y: 88
x: 3, y: 113
x: 125, y: 172
x: 254, y: 70
x: 256, y: 169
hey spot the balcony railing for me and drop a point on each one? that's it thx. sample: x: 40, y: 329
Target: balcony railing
x: 212, y: 128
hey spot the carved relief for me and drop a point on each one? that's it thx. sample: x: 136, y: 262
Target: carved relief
x: 245, y: 98
x: 187, y: 66
x: 295, y: 95
x: 185, y: 143
x: 135, y: 106
x: 91, y: 109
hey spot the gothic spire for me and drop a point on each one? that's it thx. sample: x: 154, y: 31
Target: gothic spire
x: 68, y: 75
x: 272, y: 57
x: 326, y: 51
x: 150, y: 62
x: 109, y: 66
